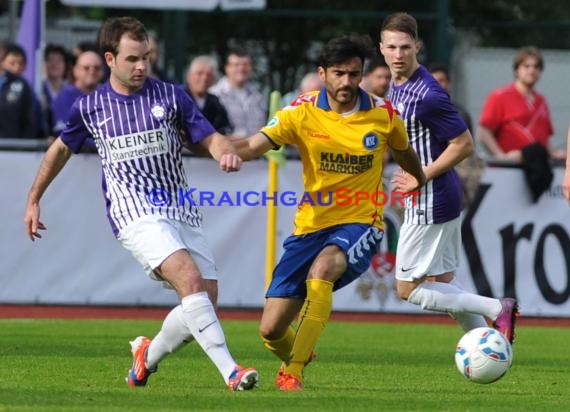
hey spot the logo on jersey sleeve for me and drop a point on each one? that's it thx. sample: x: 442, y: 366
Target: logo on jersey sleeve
x: 370, y: 141
x: 273, y: 122
x: 310, y: 97
x: 400, y: 107
x: 158, y: 111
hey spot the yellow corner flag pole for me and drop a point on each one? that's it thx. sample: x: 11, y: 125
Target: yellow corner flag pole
x: 274, y: 104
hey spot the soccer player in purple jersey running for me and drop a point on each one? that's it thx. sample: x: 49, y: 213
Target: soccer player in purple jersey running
x: 139, y: 126
x: 430, y: 237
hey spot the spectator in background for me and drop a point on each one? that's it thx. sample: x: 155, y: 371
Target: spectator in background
x: 80, y: 48
x: 515, y: 123
x: 2, y: 49
x: 470, y: 168
x: 200, y: 77
x: 441, y: 74
x: 55, y: 69
x: 246, y: 106
x: 88, y: 73
x: 516, y: 115
x: 154, y: 70
x: 14, y: 59
x: 17, y: 117
x: 84, y: 46
x: 310, y: 82
x: 376, y: 78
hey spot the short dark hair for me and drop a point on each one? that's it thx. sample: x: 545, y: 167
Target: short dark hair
x: 13, y: 48
x: 237, y: 51
x: 438, y: 67
x: 113, y: 30
x: 55, y: 49
x: 528, y: 51
x: 3, y: 45
x: 341, y: 49
x: 401, y: 22
x: 84, y: 46
x: 373, y: 64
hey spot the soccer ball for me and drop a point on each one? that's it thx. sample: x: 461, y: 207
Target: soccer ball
x: 483, y: 355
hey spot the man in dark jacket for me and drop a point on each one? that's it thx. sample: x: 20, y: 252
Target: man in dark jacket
x: 16, y: 106
x: 200, y: 76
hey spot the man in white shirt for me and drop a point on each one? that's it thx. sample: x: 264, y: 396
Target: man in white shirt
x: 246, y: 106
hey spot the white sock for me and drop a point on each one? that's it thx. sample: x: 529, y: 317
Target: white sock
x: 444, y: 297
x: 173, y: 335
x: 200, y: 317
x: 468, y: 321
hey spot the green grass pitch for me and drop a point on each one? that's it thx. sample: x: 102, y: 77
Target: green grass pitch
x: 71, y: 365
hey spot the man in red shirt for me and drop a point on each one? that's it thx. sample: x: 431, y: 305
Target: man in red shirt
x: 515, y: 115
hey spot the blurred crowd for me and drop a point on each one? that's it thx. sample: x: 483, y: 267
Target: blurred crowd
x: 232, y: 103
x: 514, y: 126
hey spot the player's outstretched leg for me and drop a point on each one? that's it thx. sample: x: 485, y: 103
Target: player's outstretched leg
x: 200, y: 317
x: 467, y: 320
x: 148, y: 353
x: 173, y: 335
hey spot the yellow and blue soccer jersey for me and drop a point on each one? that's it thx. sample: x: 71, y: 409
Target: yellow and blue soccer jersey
x: 342, y: 158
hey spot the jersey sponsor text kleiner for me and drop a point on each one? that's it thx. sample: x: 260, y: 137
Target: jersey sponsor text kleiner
x: 139, y: 139
x: 137, y: 145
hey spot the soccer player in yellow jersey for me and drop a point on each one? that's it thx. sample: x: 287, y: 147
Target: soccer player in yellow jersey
x: 342, y: 133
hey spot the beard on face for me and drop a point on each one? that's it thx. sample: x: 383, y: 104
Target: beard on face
x: 350, y: 93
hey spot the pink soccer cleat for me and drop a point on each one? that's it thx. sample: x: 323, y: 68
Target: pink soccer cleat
x: 243, y: 379
x: 505, y: 322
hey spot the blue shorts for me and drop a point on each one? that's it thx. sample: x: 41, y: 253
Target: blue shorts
x: 358, y: 241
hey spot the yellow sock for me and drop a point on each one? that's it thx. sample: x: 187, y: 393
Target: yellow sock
x: 312, y: 320
x: 281, y: 347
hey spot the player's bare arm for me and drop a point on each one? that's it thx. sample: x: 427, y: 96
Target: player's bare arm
x: 458, y: 149
x: 253, y: 147
x: 223, y: 151
x: 556, y: 153
x: 410, y: 163
x: 54, y: 160
x: 486, y: 136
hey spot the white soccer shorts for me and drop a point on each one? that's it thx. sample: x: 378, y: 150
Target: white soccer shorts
x: 151, y: 239
x: 428, y: 250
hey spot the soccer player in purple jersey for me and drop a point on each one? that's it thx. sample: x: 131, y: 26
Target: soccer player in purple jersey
x: 139, y: 126
x: 430, y: 237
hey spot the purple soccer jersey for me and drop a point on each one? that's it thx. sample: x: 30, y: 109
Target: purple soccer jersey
x: 60, y: 107
x: 139, y: 139
x: 431, y: 122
